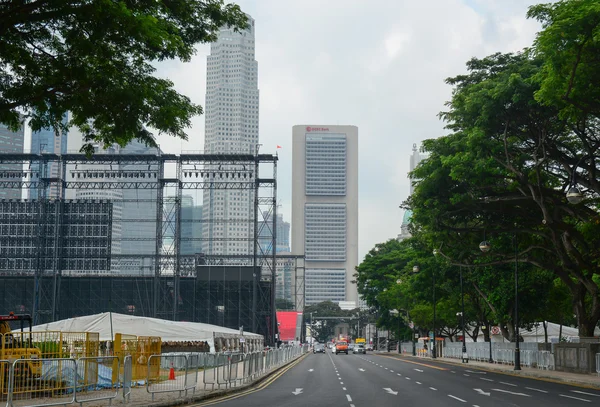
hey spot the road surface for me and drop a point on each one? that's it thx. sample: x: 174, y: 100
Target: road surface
x: 327, y: 380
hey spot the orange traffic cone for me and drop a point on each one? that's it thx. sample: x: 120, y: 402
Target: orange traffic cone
x: 171, y: 373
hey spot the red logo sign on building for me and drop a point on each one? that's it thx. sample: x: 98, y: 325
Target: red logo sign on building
x: 309, y: 129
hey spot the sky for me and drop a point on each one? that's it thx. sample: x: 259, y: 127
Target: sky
x: 376, y: 64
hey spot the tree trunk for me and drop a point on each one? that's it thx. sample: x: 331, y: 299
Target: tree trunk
x: 588, y: 313
x: 545, y: 332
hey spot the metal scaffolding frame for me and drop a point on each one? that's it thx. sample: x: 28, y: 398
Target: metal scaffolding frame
x: 49, y: 177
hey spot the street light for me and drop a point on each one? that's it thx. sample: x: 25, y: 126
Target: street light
x: 491, y: 360
x: 574, y: 195
x: 465, y: 356
x: 517, y: 345
x: 416, y: 269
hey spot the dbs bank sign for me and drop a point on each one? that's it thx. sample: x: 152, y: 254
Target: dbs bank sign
x: 309, y: 129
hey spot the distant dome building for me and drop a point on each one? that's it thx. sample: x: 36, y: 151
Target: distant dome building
x: 415, y: 158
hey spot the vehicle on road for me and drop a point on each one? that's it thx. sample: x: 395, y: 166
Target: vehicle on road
x: 369, y: 347
x: 350, y: 347
x: 341, y: 347
x: 360, y: 348
x: 319, y: 348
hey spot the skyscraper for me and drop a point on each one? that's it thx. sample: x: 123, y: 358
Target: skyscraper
x: 231, y: 128
x: 325, y: 209
x: 48, y: 141
x: 11, y: 142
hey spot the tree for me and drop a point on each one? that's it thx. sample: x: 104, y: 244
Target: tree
x: 569, y: 45
x: 504, y: 171
x: 94, y: 59
x: 283, y: 304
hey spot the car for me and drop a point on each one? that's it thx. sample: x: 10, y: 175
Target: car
x: 351, y: 346
x: 360, y: 348
x: 369, y: 347
x: 319, y: 348
x: 341, y: 347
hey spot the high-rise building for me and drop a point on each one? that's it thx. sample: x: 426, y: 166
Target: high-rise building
x: 415, y: 158
x: 191, y: 218
x: 265, y: 235
x: 325, y: 209
x: 49, y: 141
x: 11, y: 142
x: 231, y: 128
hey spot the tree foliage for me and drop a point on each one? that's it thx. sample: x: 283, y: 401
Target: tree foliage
x: 94, y: 59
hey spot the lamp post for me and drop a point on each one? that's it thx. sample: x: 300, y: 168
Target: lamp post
x: 491, y: 360
x: 465, y: 356
x: 485, y: 247
x: 416, y: 269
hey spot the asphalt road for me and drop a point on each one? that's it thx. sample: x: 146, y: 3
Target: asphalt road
x: 378, y: 381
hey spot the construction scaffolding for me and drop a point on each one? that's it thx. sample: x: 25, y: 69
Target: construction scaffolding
x: 124, y: 226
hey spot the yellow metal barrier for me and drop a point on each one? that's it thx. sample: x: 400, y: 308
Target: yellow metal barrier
x: 139, y: 348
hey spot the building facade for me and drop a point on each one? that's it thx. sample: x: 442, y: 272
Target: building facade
x: 232, y: 102
x: 12, y: 142
x: 49, y: 141
x: 325, y: 209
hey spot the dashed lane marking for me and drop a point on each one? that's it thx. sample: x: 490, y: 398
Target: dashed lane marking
x: 508, y: 384
x: 348, y: 397
x: 456, y: 398
x: 433, y: 388
x: 531, y: 388
x: 575, y: 398
x: 487, y: 380
x: 583, y: 392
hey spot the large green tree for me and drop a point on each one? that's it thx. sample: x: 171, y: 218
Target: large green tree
x: 94, y: 58
x: 499, y: 173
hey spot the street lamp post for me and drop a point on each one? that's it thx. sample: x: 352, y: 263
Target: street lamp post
x: 485, y: 247
x: 433, y: 346
x: 465, y: 356
x: 491, y: 360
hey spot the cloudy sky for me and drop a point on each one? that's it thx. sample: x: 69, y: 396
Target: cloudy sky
x: 376, y: 64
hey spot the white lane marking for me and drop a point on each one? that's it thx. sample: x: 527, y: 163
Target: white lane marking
x: 390, y: 391
x: 508, y: 384
x: 343, y: 388
x: 298, y: 391
x: 352, y: 405
x: 487, y: 380
x: 467, y: 375
x: 575, y: 398
x: 419, y: 370
x: 482, y: 392
x: 433, y: 388
x: 407, y: 378
x: 471, y: 371
x: 386, y: 368
x: 398, y: 374
x: 512, y: 392
x: 531, y: 388
x: 418, y: 382
x: 456, y: 398
x: 452, y: 371
x: 341, y: 382
x: 391, y: 371
x: 348, y: 397
x: 361, y: 369
x: 311, y: 370
x: 583, y: 392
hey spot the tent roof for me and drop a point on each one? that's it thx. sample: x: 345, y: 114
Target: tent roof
x: 107, y: 324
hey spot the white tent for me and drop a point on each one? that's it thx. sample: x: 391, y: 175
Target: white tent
x: 107, y: 324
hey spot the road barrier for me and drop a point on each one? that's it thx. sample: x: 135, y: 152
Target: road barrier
x: 94, y: 379
x: 64, y: 381
x: 168, y: 379
x: 54, y: 384
x: 127, y: 378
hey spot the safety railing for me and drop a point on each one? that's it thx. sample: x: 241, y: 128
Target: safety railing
x: 598, y: 364
x: 64, y: 381
x: 94, y: 379
x: 47, y: 382
x: 127, y: 378
x: 168, y: 379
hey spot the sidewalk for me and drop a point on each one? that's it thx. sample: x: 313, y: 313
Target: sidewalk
x: 581, y: 379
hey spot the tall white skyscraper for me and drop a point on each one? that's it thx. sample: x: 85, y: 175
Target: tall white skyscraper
x: 325, y: 209
x: 231, y: 128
